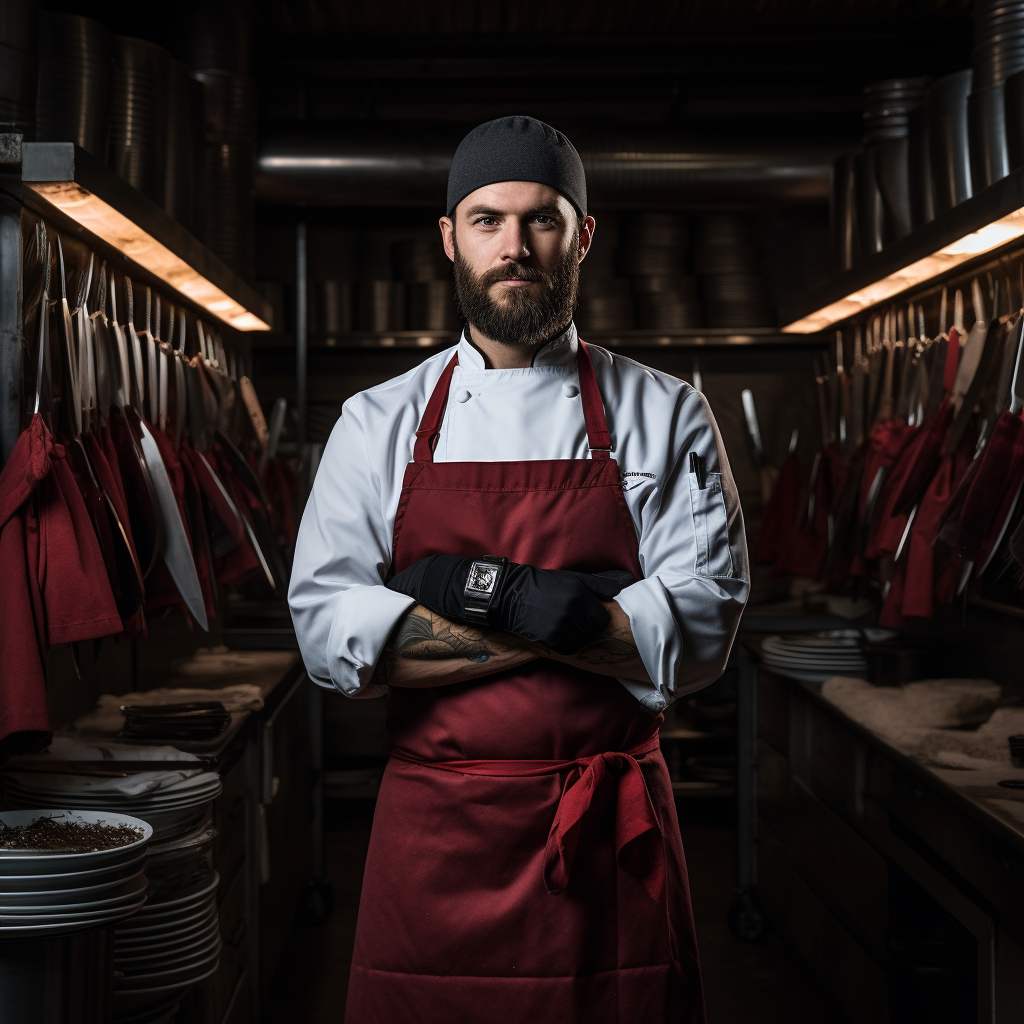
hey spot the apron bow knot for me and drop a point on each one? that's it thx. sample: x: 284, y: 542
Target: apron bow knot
x: 635, y: 819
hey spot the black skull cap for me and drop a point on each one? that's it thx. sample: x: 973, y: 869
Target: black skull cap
x: 517, y: 148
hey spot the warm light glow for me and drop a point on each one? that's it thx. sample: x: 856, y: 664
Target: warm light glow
x: 986, y: 239
x: 127, y: 237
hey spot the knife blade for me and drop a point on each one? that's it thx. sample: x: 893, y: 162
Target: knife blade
x: 970, y: 355
x: 177, y: 554
x: 1017, y: 384
x: 753, y: 428
x: 69, y: 353
x: 253, y: 541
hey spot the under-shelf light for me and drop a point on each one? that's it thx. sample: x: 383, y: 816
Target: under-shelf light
x: 99, y: 217
x: 990, y: 237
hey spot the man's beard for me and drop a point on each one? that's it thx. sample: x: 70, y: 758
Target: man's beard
x: 520, y: 319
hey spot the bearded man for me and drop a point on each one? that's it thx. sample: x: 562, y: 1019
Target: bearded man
x: 531, y: 545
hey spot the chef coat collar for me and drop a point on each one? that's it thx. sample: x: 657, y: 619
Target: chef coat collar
x: 560, y: 351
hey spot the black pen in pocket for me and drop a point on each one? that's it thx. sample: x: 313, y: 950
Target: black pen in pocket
x: 697, y: 468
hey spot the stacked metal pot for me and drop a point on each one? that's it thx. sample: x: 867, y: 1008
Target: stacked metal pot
x: 226, y: 209
x: 18, y: 26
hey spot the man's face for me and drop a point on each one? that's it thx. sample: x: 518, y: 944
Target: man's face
x: 516, y: 247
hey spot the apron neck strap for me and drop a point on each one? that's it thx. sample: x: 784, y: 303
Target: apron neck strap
x: 598, y: 439
x: 433, y: 415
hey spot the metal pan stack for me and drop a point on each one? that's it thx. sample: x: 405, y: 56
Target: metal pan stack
x: 331, y: 309
x: 998, y: 54
x: 725, y: 258
x: 948, y: 139
x: 426, y: 274
x: 138, y: 134
x: 184, y: 106
x: 380, y: 306
x: 605, y: 304
x: 227, y: 204
x: 18, y: 66
x: 653, y: 256
x: 883, y: 167
x: 73, y: 104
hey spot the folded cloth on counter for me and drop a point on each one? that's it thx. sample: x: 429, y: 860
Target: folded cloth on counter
x: 107, y: 716
x: 930, y: 719
x: 64, y: 748
x: 224, y: 661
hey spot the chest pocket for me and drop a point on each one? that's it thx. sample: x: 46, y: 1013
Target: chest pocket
x: 710, y: 527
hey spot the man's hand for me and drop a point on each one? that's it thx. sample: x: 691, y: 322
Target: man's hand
x: 561, y: 610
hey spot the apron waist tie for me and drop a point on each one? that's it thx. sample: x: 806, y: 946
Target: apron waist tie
x: 634, y: 813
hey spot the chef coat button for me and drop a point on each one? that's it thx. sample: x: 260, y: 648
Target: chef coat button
x: 463, y: 396
x: 570, y: 390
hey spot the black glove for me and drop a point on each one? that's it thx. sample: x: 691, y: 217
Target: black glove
x: 558, y: 608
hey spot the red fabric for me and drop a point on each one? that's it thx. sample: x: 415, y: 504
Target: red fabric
x: 72, y: 574
x: 104, y: 462
x: 997, y: 478
x: 281, y: 485
x: 243, y: 560
x: 779, y: 518
x: 457, y: 922
x: 805, y: 551
x: 24, y: 713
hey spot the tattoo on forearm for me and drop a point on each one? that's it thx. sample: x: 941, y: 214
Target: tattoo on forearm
x: 424, y: 636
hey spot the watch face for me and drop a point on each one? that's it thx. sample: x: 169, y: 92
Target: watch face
x: 482, y: 578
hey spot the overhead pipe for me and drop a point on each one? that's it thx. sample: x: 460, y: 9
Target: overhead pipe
x: 407, y: 164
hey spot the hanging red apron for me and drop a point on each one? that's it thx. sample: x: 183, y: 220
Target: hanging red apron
x: 525, y: 863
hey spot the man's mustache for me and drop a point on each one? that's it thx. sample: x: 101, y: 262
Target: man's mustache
x: 512, y: 272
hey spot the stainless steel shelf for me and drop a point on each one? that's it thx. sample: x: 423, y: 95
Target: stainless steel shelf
x: 999, y: 199
x: 47, y: 162
x: 706, y: 337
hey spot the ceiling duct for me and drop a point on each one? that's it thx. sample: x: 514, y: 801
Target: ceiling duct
x: 397, y: 164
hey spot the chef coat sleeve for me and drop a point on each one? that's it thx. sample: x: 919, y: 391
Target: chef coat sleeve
x: 342, y: 612
x: 685, y: 612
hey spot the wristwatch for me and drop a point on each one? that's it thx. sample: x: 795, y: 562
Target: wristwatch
x: 483, y: 584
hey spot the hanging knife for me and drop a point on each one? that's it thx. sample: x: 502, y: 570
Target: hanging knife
x: 69, y: 348
x: 857, y: 389
x: 176, y: 553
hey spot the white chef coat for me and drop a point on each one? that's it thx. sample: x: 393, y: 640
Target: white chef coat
x: 684, y: 613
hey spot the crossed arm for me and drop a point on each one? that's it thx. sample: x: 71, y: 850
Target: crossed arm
x: 426, y: 649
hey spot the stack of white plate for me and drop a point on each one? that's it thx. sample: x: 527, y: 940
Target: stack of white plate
x: 171, y: 810
x: 163, y: 950
x: 50, y: 893
x: 815, y: 657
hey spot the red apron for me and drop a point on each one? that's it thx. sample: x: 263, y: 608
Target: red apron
x: 525, y: 863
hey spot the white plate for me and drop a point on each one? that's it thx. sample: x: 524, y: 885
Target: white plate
x: 68, y: 895
x: 812, y: 658
x: 132, y: 887
x: 31, y: 931
x: 16, y: 862
x: 120, y: 994
x: 166, y: 949
x: 186, y: 971
x: 144, y: 930
x: 126, y: 905
x: 175, y: 934
x: 198, y: 889
x: 812, y: 664
x: 67, y: 880
x: 135, y: 807
x: 170, y: 960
